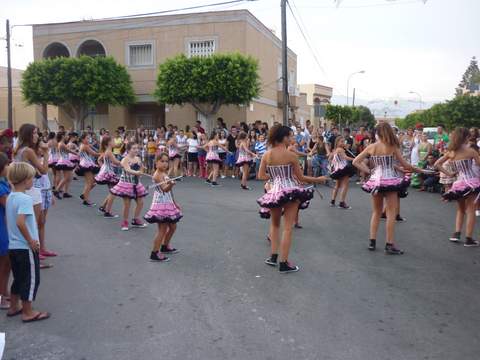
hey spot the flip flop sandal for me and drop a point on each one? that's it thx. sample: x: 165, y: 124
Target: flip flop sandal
x: 5, y: 307
x: 18, y: 312
x: 45, y: 266
x: 39, y: 317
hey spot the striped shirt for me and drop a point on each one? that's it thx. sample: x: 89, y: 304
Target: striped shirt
x: 260, y: 147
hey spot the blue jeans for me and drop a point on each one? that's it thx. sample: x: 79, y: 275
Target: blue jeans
x: 320, y: 165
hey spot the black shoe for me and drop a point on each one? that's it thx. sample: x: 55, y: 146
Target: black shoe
x: 469, y: 242
x: 455, y: 236
x: 58, y: 195
x: 373, y: 245
x: 67, y: 196
x: 154, y: 256
x: 272, y: 260
x: 332, y: 203
x: 108, y: 215
x: 244, y: 187
x: 390, y: 249
x: 398, y: 218
x: 383, y: 217
x: 82, y: 197
x: 89, y: 204
x: 208, y: 181
x: 166, y: 250
x: 214, y: 183
x: 101, y: 209
x: 344, y: 206
x: 298, y: 226
x: 286, y: 267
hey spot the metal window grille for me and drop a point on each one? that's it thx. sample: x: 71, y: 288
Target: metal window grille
x: 141, y: 55
x: 201, y: 48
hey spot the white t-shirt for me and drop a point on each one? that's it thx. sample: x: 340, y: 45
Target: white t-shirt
x: 192, y: 145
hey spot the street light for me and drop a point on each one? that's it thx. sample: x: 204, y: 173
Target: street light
x: 348, y: 81
x: 419, y: 96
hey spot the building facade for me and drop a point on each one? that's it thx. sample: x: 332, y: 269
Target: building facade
x: 141, y: 44
x: 315, y: 98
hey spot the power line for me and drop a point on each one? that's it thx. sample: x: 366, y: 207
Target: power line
x: 388, y: 3
x: 310, y: 47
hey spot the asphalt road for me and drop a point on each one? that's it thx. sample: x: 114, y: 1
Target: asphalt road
x: 218, y: 300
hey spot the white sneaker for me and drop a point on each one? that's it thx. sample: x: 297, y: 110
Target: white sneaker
x: 233, y: 176
x: 223, y: 176
x: 477, y: 213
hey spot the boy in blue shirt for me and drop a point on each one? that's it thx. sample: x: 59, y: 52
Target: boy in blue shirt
x: 23, y: 244
x: 4, y: 259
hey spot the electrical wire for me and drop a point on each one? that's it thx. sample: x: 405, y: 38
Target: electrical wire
x: 389, y: 3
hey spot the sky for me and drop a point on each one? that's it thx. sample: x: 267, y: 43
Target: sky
x: 402, y: 45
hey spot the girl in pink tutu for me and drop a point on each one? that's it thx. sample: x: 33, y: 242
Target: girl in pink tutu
x: 65, y: 166
x: 284, y: 196
x: 245, y: 159
x: 173, y: 154
x: 130, y: 188
x: 466, y: 187
x: 73, y: 147
x: 53, y: 157
x: 87, y: 168
x: 385, y: 182
x: 341, y: 171
x: 164, y: 211
x: 213, y: 158
x: 107, y: 175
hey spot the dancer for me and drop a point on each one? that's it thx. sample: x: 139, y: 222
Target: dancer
x: 74, y: 150
x: 385, y: 183
x: 4, y: 259
x: 65, y: 166
x: 53, y: 157
x: 202, y: 155
x: 281, y: 167
x: 87, y: 168
x: 164, y: 211
x: 245, y: 159
x: 213, y: 159
x: 173, y: 154
x: 341, y: 171
x: 107, y: 175
x: 129, y: 187
x: 467, y: 186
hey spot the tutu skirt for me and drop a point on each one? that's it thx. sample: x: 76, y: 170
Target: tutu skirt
x: 348, y: 170
x: 129, y: 190
x: 106, y: 178
x: 163, y: 213
x: 74, y: 158
x: 399, y: 184
x: 213, y: 158
x: 64, y: 164
x: 242, y: 160
x: 462, y: 188
x: 52, y: 163
x: 278, y: 198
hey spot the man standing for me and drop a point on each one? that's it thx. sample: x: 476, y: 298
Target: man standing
x: 198, y: 126
x: 440, y: 141
x: 232, y: 151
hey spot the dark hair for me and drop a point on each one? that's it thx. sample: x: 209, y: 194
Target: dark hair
x: 459, y: 137
x: 159, y: 157
x: 51, y: 135
x: 3, y: 161
x: 129, y: 146
x: 212, y: 135
x: 104, y: 144
x: 278, y: 133
x: 60, y: 136
x: 386, y: 135
x: 347, y: 130
x: 25, y: 136
x: 242, y: 136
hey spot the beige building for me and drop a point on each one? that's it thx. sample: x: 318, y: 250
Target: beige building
x: 313, y: 98
x: 21, y: 112
x: 141, y: 44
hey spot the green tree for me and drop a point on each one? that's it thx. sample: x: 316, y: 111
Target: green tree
x: 207, y: 83
x: 77, y: 84
x: 362, y: 116
x: 470, y: 77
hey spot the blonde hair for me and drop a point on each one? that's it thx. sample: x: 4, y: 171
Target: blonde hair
x: 19, y: 172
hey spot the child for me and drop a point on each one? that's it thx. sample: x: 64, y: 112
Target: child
x: 87, y: 168
x: 129, y: 187
x: 202, y: 156
x: 65, y: 166
x: 341, y: 171
x: 53, y: 157
x: 244, y: 160
x: 4, y: 260
x: 164, y: 211
x: 23, y: 244
x: 173, y: 154
x: 213, y: 158
x: 107, y: 175
x: 151, y: 149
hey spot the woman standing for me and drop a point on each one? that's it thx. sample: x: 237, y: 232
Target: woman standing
x: 87, y: 168
x: 319, y: 153
x: 385, y: 183
x: 284, y: 196
x: 213, y: 159
x: 245, y: 159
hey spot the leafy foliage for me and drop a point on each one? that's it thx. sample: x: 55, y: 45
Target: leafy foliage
x: 77, y: 84
x: 352, y: 116
x: 208, y: 82
x: 470, y: 78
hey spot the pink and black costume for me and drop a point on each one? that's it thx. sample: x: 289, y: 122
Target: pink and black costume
x: 163, y: 208
x: 64, y: 162
x: 243, y: 158
x: 468, y: 180
x: 107, y: 175
x: 284, y: 188
x: 87, y: 164
x: 74, y: 158
x: 340, y: 168
x: 173, y: 152
x: 129, y: 185
x: 212, y: 155
x: 52, y: 157
x: 384, y: 177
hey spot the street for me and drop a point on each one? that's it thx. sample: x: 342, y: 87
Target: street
x: 216, y: 299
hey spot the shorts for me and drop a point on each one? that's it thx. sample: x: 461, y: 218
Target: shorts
x: 46, y: 199
x: 231, y: 159
x: 26, y: 273
x: 36, y: 195
x: 192, y: 157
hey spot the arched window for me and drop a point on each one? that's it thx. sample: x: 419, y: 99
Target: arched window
x: 54, y: 50
x: 91, y: 48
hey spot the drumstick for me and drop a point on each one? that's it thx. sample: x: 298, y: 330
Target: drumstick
x: 164, y: 182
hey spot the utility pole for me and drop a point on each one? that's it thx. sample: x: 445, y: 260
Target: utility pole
x: 9, y: 80
x: 353, y: 100
x: 283, y: 5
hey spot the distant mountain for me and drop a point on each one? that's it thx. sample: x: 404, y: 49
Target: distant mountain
x: 402, y: 108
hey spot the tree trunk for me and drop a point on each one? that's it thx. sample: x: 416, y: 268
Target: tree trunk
x: 44, y: 119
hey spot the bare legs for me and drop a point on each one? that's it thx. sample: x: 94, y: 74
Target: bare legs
x: 391, y: 200
x: 4, y: 276
x: 466, y: 208
x: 245, y: 173
x: 164, y: 235
x: 64, y: 184
x: 290, y: 212
x: 213, y: 173
x: 341, y: 186
x: 192, y: 168
x: 89, y: 185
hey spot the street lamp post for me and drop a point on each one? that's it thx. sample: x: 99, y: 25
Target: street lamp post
x: 419, y: 97
x: 348, y: 82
